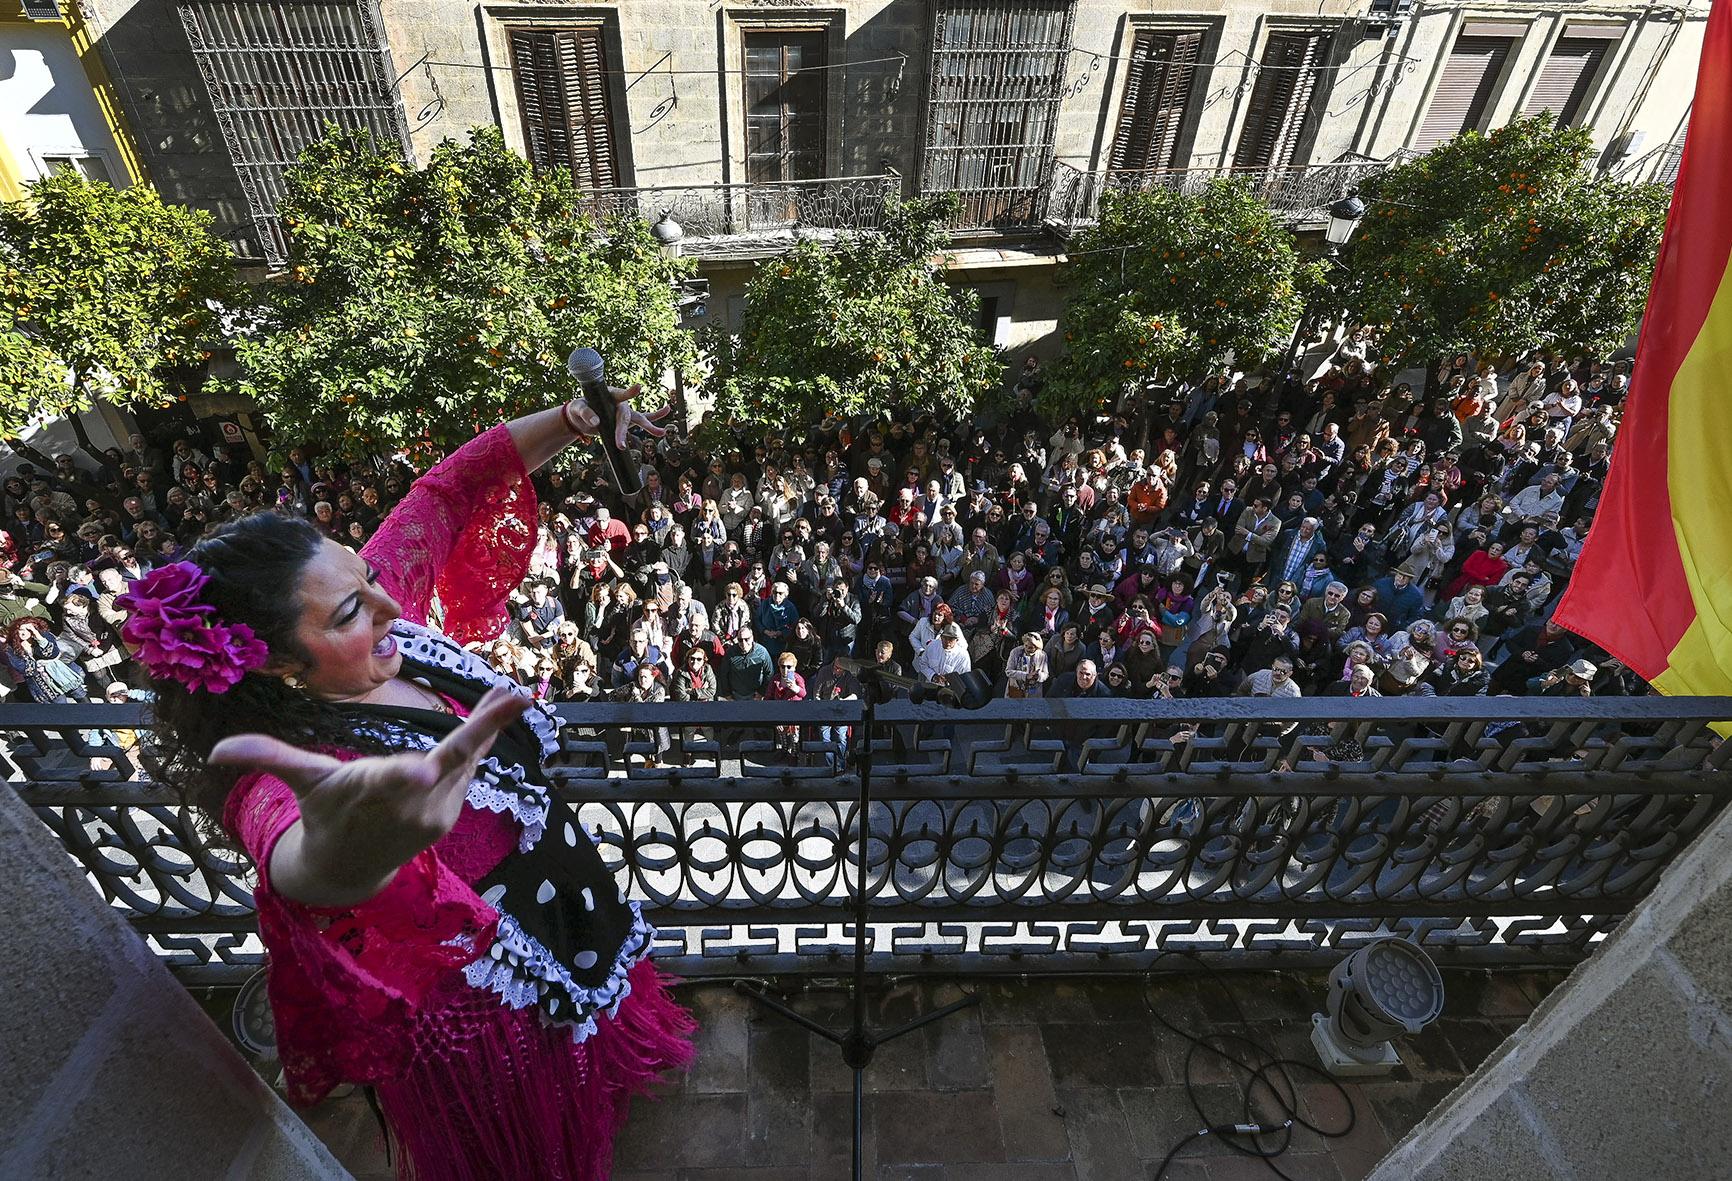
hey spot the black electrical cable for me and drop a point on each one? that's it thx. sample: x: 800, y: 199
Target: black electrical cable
x: 1263, y: 1069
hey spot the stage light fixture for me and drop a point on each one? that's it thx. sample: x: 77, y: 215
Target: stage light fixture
x: 1384, y: 990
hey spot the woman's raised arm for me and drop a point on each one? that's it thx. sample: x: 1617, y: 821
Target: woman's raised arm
x: 467, y: 527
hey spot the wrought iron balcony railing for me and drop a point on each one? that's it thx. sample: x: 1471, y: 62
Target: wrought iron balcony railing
x: 1300, y: 194
x: 1030, y: 835
x: 1658, y: 166
x: 752, y: 220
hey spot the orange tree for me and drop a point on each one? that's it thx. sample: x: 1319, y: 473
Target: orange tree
x: 1496, y: 243
x: 1169, y: 283
x: 866, y: 323
x: 420, y: 306
x: 105, y: 293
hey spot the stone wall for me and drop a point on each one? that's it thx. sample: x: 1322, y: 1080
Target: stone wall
x: 112, y: 1069
x: 679, y: 89
x: 144, y: 48
x: 1623, y: 1072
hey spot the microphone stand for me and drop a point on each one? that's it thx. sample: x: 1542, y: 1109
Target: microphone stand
x: 858, y: 1042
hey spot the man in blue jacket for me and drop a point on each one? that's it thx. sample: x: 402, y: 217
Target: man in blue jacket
x: 1398, y: 597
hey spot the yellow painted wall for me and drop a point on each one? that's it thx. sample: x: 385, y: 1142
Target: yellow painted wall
x: 122, y: 148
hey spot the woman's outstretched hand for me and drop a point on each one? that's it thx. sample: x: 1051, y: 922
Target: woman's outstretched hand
x: 362, y: 819
x: 625, y: 416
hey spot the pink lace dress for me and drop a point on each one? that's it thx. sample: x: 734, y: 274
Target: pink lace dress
x: 472, y: 1089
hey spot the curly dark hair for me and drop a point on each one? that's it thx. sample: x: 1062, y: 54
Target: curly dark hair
x: 254, y: 565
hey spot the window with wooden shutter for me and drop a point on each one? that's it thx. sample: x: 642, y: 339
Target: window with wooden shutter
x: 1157, y: 99
x: 1469, y: 77
x: 784, y: 106
x: 562, y: 102
x: 1281, y: 99
x: 1567, y: 76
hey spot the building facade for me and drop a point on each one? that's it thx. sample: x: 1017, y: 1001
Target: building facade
x: 58, y: 108
x: 755, y: 122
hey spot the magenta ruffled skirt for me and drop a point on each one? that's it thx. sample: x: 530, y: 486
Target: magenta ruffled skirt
x: 495, y: 1094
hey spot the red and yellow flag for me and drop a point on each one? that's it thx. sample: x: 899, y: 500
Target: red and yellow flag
x: 1653, y: 585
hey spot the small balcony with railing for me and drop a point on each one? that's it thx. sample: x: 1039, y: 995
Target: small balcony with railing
x: 748, y: 221
x: 1300, y: 194
x: 1097, y: 873
x: 741, y: 222
x: 1658, y: 166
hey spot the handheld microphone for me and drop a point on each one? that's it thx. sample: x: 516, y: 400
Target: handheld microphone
x: 587, y: 366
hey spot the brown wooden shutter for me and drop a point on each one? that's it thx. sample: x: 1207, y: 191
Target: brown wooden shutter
x: 562, y: 102
x: 1469, y: 76
x: 1157, y: 99
x: 1280, y: 99
x: 585, y: 64
x: 1565, y: 78
x: 1130, y: 140
x: 535, y: 69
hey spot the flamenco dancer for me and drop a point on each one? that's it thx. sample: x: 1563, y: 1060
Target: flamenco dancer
x: 440, y: 928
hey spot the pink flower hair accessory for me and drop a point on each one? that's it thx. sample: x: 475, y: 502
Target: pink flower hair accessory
x: 176, y: 637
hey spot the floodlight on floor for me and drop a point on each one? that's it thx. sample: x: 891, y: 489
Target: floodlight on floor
x: 1386, y: 989
x: 255, y: 1026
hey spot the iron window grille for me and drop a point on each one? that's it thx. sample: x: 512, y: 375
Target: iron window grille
x: 997, y: 77
x: 278, y: 73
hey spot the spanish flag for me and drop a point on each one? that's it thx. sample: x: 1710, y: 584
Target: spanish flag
x: 1653, y: 585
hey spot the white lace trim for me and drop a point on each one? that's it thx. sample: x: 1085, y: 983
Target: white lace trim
x: 524, y: 973
x: 485, y: 791
x: 528, y: 811
x: 430, y: 647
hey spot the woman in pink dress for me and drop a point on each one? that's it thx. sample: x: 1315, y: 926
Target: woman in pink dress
x: 440, y: 927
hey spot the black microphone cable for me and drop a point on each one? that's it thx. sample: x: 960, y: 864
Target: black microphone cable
x: 1267, y: 1075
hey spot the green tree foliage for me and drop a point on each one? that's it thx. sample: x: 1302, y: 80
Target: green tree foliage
x: 421, y: 306
x: 1494, y: 243
x: 1172, y: 283
x: 867, y: 323
x: 103, y: 291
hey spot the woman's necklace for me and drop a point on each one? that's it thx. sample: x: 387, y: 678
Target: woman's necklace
x: 439, y: 704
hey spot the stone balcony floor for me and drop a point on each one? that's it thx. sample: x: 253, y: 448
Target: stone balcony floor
x: 1048, y: 1079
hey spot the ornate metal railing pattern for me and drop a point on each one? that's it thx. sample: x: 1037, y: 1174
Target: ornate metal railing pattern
x: 1299, y: 193
x: 1032, y: 834
x: 711, y: 215
x: 1657, y: 166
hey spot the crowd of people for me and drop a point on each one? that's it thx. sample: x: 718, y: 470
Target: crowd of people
x: 1348, y: 535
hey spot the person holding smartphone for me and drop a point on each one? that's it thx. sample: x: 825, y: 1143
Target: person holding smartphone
x: 787, y: 685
